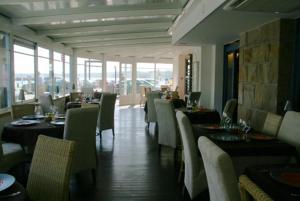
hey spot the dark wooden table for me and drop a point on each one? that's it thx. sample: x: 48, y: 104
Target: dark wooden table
x: 27, y: 135
x: 201, y: 116
x: 14, y: 193
x: 261, y: 175
x: 246, y: 147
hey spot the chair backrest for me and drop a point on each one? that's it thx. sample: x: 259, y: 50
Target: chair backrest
x: 80, y: 126
x: 221, y: 177
x: 230, y: 108
x: 20, y: 110
x: 50, y: 169
x: 167, y: 123
x: 151, y: 113
x: 97, y: 95
x: 107, y: 111
x: 272, y: 124
x: 75, y: 96
x: 290, y: 129
x: 194, y: 97
x: 46, y: 103
x: 194, y: 175
x: 87, y: 91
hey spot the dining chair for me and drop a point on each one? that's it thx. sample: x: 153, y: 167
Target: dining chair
x: 11, y: 154
x: 46, y: 103
x: 80, y: 127
x: 107, y: 113
x: 194, y: 174
x: 230, y: 108
x: 272, y: 124
x: 221, y: 177
x: 50, y: 169
x: 151, y: 111
x: 168, y: 133
x: 289, y: 130
x: 194, y: 97
x: 20, y: 110
x: 75, y: 96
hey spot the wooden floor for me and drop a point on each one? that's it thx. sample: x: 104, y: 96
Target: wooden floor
x: 130, y: 167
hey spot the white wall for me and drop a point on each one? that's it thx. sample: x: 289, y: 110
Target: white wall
x: 208, y: 77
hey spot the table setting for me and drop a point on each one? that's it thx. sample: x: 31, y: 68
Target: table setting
x: 10, y: 189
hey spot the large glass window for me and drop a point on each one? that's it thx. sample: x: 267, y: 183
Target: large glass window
x: 94, y: 74
x: 163, y: 75
x: 126, y: 79
x: 24, y: 72
x: 112, y: 76
x: 81, y: 71
x: 4, y: 70
x: 145, y: 76
x: 58, y: 74
x: 68, y: 85
x: 44, y: 78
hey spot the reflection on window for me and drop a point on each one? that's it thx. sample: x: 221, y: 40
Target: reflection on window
x: 44, y: 78
x: 24, y: 73
x: 126, y: 79
x: 4, y: 70
x: 58, y: 74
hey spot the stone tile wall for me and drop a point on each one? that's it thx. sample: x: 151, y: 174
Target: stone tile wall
x: 266, y: 59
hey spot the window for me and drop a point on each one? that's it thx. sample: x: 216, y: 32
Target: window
x: 58, y: 74
x: 163, y: 75
x: 4, y: 70
x: 24, y: 71
x: 112, y: 76
x: 94, y: 74
x: 81, y: 72
x: 44, y: 78
x: 126, y: 79
x: 68, y: 85
x: 144, y: 76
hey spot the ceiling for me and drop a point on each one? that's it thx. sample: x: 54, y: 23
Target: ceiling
x: 113, y: 27
x: 225, y: 23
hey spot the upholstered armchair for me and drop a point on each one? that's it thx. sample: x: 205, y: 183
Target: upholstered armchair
x: 221, y: 177
x: 46, y: 103
x: 151, y: 111
x: 50, y: 170
x: 107, y: 113
x: 168, y: 133
x: 80, y: 127
x: 194, y: 174
x: 20, y: 110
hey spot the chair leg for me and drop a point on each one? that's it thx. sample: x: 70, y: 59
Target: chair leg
x: 113, y: 132
x: 100, y: 134
x: 159, y: 148
x: 148, y: 125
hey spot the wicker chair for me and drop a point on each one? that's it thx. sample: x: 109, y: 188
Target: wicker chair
x: 272, y: 124
x: 20, y: 110
x: 221, y: 177
x: 80, y: 127
x: 50, y: 170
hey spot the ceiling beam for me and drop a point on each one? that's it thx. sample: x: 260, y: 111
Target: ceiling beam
x: 121, y: 42
x: 108, y: 37
x: 95, y: 15
x: 106, y: 29
x: 102, y: 49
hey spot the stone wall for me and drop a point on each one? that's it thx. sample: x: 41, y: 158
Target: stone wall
x: 266, y: 59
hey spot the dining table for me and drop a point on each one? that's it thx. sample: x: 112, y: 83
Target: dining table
x: 27, y: 135
x: 16, y: 192
x: 201, y: 115
x: 281, y: 181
